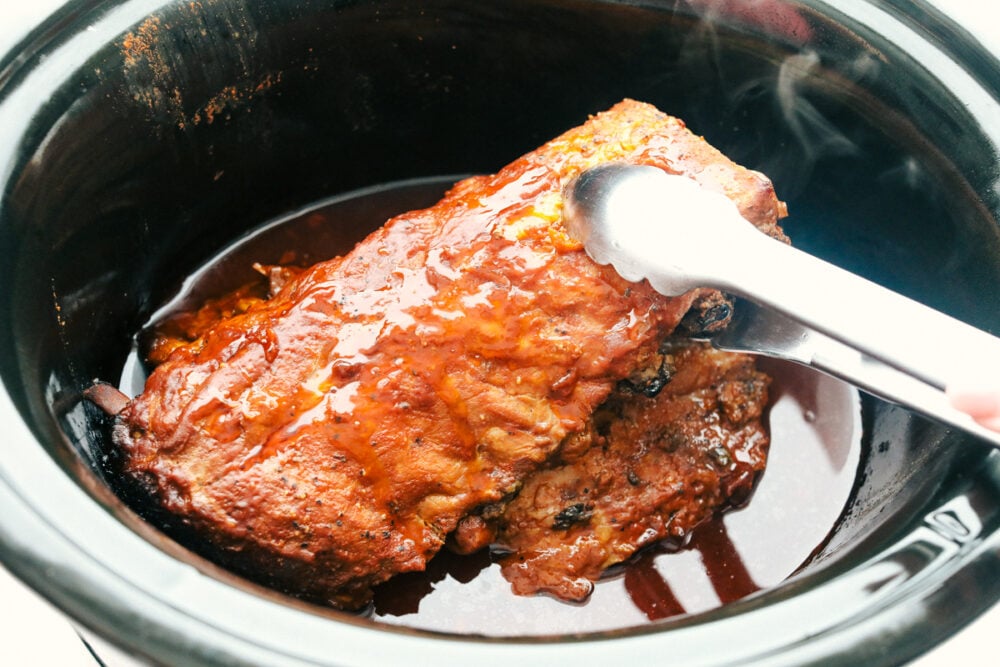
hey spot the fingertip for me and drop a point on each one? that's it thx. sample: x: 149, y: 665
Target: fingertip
x: 992, y: 423
x: 978, y: 403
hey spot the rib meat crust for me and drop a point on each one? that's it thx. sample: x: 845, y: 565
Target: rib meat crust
x: 331, y: 436
x: 644, y: 469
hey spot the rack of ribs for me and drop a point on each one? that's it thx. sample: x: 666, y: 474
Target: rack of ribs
x: 337, y: 432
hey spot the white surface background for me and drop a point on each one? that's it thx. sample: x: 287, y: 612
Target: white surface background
x: 33, y: 633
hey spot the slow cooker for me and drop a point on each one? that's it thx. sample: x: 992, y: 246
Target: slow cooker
x: 141, y: 138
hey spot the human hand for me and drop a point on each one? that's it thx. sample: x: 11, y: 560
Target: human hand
x: 983, y: 405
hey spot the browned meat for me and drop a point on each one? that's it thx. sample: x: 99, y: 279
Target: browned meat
x: 333, y: 435
x: 187, y: 326
x: 643, y: 469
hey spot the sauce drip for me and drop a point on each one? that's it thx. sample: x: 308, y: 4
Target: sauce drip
x: 721, y: 562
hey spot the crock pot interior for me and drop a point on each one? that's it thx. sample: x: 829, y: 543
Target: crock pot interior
x: 203, y: 120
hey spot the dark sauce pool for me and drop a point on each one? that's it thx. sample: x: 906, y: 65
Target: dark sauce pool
x: 815, y: 427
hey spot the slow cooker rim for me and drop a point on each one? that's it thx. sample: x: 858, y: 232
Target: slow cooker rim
x: 23, y: 560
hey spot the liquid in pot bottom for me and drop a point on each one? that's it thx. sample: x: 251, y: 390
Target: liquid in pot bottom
x: 815, y: 428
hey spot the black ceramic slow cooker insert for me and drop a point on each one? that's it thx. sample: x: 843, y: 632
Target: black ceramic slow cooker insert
x: 139, y: 139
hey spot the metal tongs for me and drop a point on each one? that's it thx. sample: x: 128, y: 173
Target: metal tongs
x: 679, y: 235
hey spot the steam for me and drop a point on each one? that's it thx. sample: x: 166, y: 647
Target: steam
x: 816, y: 136
x: 800, y: 134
